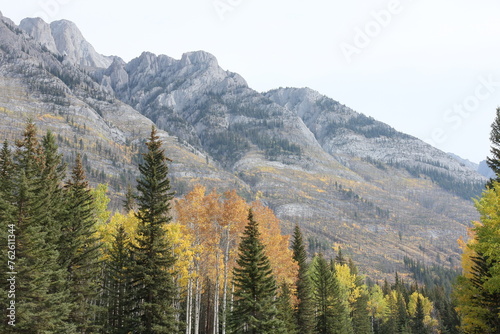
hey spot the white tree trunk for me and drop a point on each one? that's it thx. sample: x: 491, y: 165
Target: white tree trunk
x: 197, y: 305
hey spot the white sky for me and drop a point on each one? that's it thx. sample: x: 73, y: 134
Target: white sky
x: 427, y: 68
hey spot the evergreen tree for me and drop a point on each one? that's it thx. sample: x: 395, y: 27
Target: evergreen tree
x: 494, y: 161
x: 129, y: 202
x: 285, y: 310
x: 418, y: 325
x: 324, y: 287
x: 41, y: 297
x: 254, y: 309
x: 305, y: 308
x: 6, y: 215
x: 79, y: 250
x: 340, y: 259
x: 360, y: 316
x: 153, y: 286
x: 118, y: 284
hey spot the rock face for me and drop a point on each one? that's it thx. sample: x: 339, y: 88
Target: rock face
x: 346, y: 178
x: 64, y: 38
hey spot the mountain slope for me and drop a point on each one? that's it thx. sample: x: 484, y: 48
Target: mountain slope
x: 347, y: 179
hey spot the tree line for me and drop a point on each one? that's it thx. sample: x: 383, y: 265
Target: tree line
x: 204, y: 263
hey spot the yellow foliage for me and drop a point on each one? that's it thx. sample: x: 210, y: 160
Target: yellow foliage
x: 347, y: 282
x: 427, y: 305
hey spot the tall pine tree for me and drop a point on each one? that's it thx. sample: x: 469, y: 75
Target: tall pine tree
x: 305, y: 307
x: 154, y: 290
x: 79, y: 250
x: 254, y: 309
x: 118, y: 282
x: 41, y: 296
x: 494, y: 161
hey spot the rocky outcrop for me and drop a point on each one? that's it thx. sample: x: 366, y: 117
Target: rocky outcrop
x: 65, y: 39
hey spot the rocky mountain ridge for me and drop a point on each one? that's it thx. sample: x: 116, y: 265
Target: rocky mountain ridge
x: 346, y: 178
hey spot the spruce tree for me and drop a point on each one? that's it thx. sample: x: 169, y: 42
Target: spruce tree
x: 494, y: 161
x: 118, y: 284
x: 6, y: 214
x: 324, y: 287
x: 154, y: 290
x: 254, y: 309
x: 305, y: 308
x: 418, y: 325
x: 41, y: 297
x: 129, y: 202
x: 285, y: 310
x: 79, y: 250
x: 360, y: 316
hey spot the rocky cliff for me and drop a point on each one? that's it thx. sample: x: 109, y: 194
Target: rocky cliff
x: 346, y: 178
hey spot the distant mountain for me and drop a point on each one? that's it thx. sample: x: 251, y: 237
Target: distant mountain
x: 346, y: 178
x: 485, y: 170
x: 482, y: 168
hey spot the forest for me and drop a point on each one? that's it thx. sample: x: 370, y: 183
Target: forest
x: 207, y: 262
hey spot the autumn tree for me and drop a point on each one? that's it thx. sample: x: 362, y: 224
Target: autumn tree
x: 153, y: 287
x: 478, y: 289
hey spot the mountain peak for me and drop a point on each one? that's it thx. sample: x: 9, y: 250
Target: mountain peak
x: 198, y: 57
x: 64, y: 38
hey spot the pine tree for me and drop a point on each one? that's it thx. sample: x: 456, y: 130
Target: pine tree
x: 286, y: 311
x: 79, y: 250
x: 324, y: 287
x: 305, y: 309
x: 494, y: 161
x: 118, y: 284
x: 418, y: 325
x: 254, y: 310
x: 360, y: 316
x: 129, y: 202
x: 40, y: 290
x: 6, y: 214
x: 153, y: 286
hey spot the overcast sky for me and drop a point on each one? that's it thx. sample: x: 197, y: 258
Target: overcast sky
x: 427, y: 68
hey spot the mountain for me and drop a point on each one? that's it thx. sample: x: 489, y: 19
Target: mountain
x: 485, y: 170
x: 346, y: 178
x: 65, y: 39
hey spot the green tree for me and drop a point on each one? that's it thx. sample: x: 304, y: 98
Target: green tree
x: 6, y: 213
x: 254, y: 310
x: 324, y: 289
x: 285, y: 310
x: 79, y: 250
x: 418, y: 325
x: 478, y: 289
x: 305, y: 308
x: 118, y: 283
x: 154, y: 290
x: 494, y: 161
x: 41, y: 296
x: 129, y: 202
x: 360, y: 315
